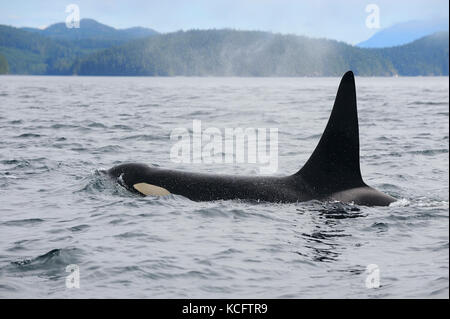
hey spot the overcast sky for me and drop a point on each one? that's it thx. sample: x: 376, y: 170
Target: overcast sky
x: 335, y: 19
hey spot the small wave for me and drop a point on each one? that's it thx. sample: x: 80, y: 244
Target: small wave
x: 62, y: 126
x: 433, y: 203
x: 79, y: 228
x: 420, y: 202
x: 143, y: 137
x: 99, y: 182
x: 141, y: 237
x: 23, y: 222
x: 50, y: 264
x: 428, y: 103
x: 390, y: 188
x: 28, y: 135
x: 196, y: 113
x: 429, y: 152
x: 322, y: 254
x: 35, y: 163
x: 107, y: 149
x: 338, y: 210
x: 324, y: 235
x: 12, y: 162
x: 96, y: 125
x: 211, y: 212
x: 379, y: 227
x: 403, y: 202
x: 27, y: 96
x: 121, y: 127
x: 313, y: 137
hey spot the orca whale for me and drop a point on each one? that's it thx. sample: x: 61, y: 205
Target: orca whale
x: 332, y: 173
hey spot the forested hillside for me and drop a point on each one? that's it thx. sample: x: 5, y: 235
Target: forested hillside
x: 30, y: 53
x: 245, y: 53
x: 211, y: 53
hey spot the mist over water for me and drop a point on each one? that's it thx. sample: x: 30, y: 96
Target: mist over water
x: 57, y: 208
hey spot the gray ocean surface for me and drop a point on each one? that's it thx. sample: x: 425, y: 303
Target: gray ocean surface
x: 57, y: 209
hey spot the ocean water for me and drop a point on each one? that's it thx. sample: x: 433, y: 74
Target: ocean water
x: 57, y: 209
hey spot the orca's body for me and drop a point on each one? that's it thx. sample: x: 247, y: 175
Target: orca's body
x: 331, y: 173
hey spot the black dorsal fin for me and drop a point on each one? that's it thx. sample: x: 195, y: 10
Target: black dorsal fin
x: 334, y: 164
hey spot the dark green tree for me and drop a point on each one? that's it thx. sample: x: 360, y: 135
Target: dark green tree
x: 4, y: 68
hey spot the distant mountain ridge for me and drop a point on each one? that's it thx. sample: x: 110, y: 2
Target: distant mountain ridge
x: 102, y: 50
x: 92, y: 35
x: 92, y: 29
x: 403, y: 33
